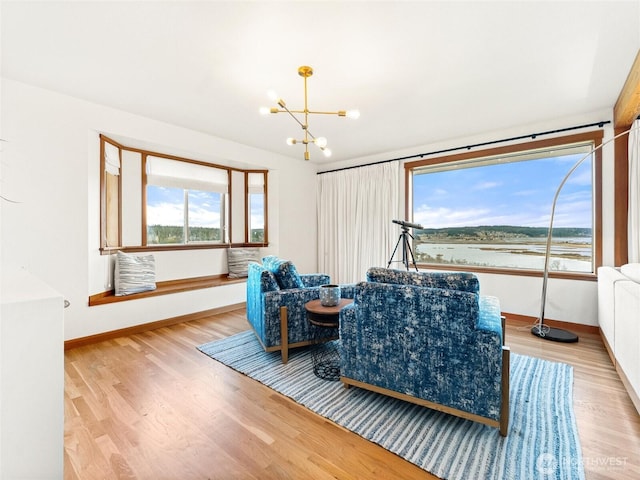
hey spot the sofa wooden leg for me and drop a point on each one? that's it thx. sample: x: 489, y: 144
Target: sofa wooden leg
x: 504, y: 408
x: 284, y: 335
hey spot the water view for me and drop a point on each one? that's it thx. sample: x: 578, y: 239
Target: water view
x: 574, y: 257
x: 497, y: 249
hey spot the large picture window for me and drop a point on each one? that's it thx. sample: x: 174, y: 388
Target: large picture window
x: 491, y: 209
x: 154, y: 201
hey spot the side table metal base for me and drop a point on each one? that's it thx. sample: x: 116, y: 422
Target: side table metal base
x: 325, y: 356
x: 326, y: 360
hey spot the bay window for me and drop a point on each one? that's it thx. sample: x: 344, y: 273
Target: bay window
x: 154, y: 201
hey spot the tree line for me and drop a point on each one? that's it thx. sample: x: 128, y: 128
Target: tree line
x: 174, y: 234
x: 504, y: 231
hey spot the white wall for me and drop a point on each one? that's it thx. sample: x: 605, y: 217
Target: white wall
x: 567, y: 300
x: 51, y: 166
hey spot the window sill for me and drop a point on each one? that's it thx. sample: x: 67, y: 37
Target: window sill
x: 166, y: 288
x: 168, y: 248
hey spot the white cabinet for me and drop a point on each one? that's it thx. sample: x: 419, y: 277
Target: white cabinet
x: 31, y: 379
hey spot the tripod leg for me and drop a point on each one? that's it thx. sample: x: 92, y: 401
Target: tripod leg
x: 407, y: 247
x: 405, y: 258
x: 394, y: 251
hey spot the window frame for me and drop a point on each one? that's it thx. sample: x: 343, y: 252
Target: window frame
x: 107, y: 196
x: 594, y: 136
x: 105, y: 207
x: 247, y: 196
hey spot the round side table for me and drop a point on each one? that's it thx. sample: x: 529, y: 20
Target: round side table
x: 325, y: 356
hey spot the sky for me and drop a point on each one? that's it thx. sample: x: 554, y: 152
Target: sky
x: 165, y: 207
x: 517, y: 193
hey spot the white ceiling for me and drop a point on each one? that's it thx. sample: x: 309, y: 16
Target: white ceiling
x: 419, y: 72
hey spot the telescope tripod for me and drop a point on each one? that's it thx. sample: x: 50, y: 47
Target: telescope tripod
x: 406, y: 249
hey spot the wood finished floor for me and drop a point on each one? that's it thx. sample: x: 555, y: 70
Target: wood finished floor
x: 150, y: 406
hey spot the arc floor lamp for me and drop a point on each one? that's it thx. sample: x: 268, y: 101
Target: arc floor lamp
x: 540, y: 329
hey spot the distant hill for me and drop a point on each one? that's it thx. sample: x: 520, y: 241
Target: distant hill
x: 501, y: 231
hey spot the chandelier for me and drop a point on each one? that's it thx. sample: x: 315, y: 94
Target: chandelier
x: 321, y: 142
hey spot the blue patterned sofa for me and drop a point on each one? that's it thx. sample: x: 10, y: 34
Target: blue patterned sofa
x: 431, y: 339
x: 276, y: 294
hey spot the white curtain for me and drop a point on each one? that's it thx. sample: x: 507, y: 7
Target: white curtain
x: 355, y: 212
x: 111, y: 159
x: 634, y: 194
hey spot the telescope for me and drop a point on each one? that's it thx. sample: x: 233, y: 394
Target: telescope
x: 407, y: 253
x: 408, y: 224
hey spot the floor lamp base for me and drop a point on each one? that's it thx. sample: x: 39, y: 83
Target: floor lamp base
x: 554, y: 334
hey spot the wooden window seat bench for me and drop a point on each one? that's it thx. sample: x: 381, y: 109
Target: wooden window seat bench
x: 162, y: 288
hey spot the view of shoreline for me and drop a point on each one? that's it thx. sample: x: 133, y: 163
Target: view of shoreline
x: 504, y: 246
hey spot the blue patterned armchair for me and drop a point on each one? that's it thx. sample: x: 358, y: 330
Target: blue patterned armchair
x: 276, y: 295
x: 431, y: 339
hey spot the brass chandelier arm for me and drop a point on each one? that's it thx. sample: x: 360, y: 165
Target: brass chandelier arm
x: 290, y: 112
x: 305, y: 127
x: 340, y: 113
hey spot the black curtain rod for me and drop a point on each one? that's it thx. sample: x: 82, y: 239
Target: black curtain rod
x: 469, y: 147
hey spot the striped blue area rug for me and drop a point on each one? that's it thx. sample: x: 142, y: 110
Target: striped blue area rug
x: 542, y: 442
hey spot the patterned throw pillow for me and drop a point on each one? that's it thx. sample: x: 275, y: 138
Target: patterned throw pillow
x: 238, y: 261
x: 271, y: 263
x: 285, y: 272
x: 134, y: 273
